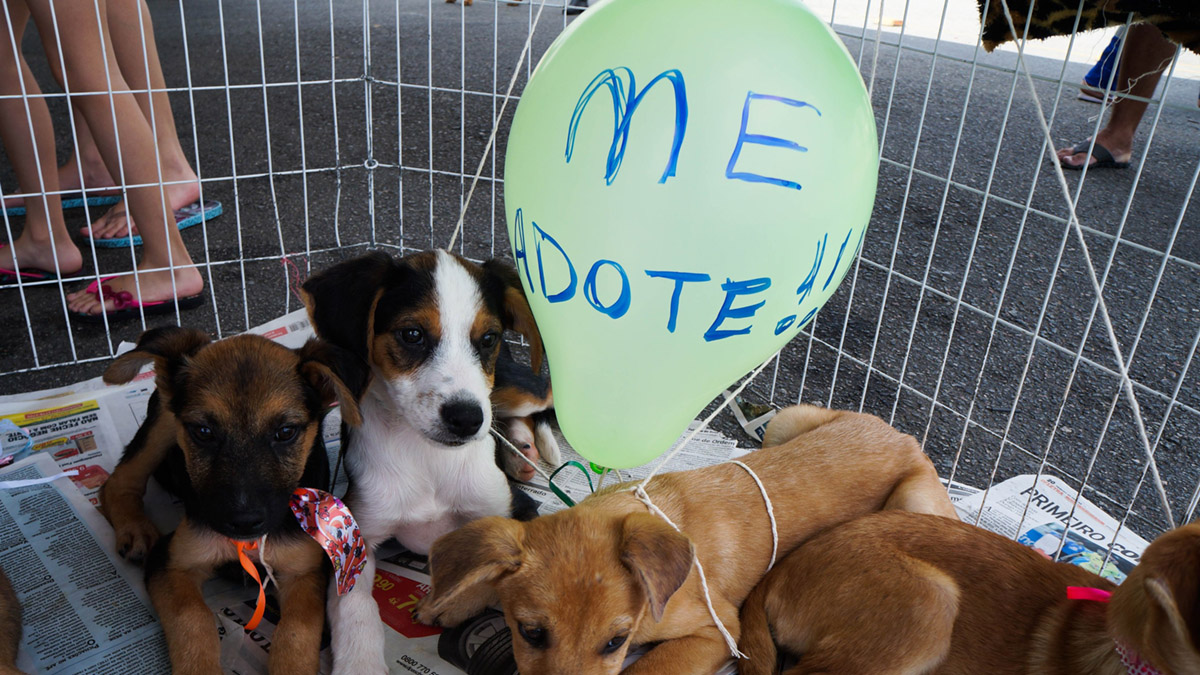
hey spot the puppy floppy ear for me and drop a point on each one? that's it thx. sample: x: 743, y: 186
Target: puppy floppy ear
x: 336, y: 374
x: 517, y: 314
x: 341, y: 300
x: 166, y: 347
x: 1156, y: 611
x: 658, y: 555
x: 464, y: 564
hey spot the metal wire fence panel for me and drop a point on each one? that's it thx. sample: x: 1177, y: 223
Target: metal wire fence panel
x: 970, y: 320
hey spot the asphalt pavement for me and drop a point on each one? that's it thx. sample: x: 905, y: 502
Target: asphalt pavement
x: 330, y: 128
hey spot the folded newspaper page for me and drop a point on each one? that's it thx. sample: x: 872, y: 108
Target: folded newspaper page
x: 1047, y: 514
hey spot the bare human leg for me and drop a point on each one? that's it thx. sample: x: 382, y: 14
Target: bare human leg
x: 44, y: 244
x: 89, y: 71
x: 1147, y: 54
x: 130, y: 37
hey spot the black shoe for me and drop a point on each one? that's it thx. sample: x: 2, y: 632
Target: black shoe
x: 576, y: 6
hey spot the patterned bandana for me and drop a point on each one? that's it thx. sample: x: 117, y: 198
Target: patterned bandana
x: 327, y: 520
x: 1134, y: 663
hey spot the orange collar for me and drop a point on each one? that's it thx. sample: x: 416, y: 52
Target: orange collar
x: 247, y: 564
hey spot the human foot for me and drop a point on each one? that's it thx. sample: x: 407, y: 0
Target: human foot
x: 116, y: 223
x: 37, y: 260
x: 95, y: 177
x: 1109, y: 153
x: 122, y: 292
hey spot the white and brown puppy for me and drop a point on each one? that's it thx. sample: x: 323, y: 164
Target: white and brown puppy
x: 430, y: 326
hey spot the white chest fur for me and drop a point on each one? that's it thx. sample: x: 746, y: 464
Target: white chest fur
x: 408, y: 487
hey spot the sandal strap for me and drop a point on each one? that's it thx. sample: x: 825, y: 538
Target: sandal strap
x: 121, y: 299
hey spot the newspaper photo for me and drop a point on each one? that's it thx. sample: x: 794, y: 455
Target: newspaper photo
x: 75, y: 432
x: 1047, y: 514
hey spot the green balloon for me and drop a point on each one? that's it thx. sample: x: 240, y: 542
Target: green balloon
x: 686, y: 183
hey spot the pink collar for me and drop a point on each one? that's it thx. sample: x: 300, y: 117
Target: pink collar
x: 1134, y: 664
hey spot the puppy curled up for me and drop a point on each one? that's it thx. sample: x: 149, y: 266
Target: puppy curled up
x: 910, y: 593
x: 581, y: 586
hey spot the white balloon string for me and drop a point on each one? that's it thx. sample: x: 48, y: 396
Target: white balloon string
x: 487, y: 150
x: 770, y: 512
x: 639, y: 491
x: 729, y: 640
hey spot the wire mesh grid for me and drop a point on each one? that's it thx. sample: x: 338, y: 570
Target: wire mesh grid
x: 328, y: 128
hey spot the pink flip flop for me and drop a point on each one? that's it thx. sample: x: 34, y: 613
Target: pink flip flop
x: 129, y: 307
x: 27, y: 273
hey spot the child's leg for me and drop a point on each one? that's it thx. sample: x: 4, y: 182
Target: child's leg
x: 89, y: 71
x: 44, y: 244
x: 130, y: 38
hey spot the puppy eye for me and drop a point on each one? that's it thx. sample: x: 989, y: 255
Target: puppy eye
x: 536, y: 637
x: 413, y: 336
x: 489, y: 340
x: 201, y: 433
x: 615, y: 644
x: 286, y: 434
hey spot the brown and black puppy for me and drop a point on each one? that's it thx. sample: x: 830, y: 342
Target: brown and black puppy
x: 233, y: 429
x: 909, y: 593
x: 580, y: 586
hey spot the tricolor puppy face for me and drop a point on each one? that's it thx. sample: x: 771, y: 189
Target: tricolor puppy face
x: 248, y: 415
x: 430, y: 325
x: 575, y: 585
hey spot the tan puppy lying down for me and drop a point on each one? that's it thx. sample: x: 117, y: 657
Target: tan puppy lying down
x: 907, y: 593
x: 581, y: 586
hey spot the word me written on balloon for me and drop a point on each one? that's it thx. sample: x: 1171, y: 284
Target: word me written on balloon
x: 533, y: 244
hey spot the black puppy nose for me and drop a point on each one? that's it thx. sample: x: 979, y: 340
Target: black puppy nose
x: 462, y: 418
x: 247, y: 521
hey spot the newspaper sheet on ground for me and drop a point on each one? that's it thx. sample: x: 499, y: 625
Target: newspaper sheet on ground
x: 76, y: 432
x: 86, y: 610
x: 1047, y: 514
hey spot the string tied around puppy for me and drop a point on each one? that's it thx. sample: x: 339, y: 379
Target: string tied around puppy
x: 639, y: 491
x: 770, y: 512
x: 730, y: 642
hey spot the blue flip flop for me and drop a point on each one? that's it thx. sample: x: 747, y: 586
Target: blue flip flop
x: 192, y: 214
x: 72, y: 200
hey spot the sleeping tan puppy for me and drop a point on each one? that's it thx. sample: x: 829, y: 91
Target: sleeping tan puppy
x: 908, y: 593
x: 581, y: 586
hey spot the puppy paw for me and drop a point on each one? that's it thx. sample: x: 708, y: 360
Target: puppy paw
x: 547, y: 444
x: 135, y: 539
x: 423, y: 612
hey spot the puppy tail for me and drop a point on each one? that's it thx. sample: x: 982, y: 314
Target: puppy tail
x: 756, y: 641
x: 795, y: 420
